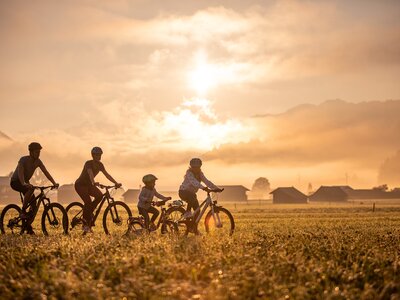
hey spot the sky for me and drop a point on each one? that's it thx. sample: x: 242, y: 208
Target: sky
x: 242, y: 84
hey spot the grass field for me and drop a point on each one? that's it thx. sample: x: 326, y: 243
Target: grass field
x: 277, y: 252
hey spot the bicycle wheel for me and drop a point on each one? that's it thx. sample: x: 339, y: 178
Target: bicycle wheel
x: 175, y: 214
x: 10, y: 221
x: 170, y: 227
x: 219, y: 223
x: 136, y: 227
x: 75, y: 216
x: 54, y: 219
x: 115, y: 218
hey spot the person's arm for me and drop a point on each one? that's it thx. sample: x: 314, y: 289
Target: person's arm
x: 208, y: 183
x: 162, y: 197
x: 109, y: 177
x: 47, y: 174
x: 193, y: 181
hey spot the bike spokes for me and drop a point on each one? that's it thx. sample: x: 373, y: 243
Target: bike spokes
x: 220, y: 222
x: 54, y: 220
x: 115, y: 219
x: 10, y: 219
x: 75, y: 216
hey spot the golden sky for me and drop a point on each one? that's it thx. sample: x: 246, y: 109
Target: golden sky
x: 156, y: 82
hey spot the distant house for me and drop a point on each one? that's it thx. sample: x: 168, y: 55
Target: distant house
x: 67, y: 194
x: 233, y: 193
x: 7, y: 194
x: 371, y: 194
x: 332, y: 194
x: 288, y: 195
x: 131, y: 195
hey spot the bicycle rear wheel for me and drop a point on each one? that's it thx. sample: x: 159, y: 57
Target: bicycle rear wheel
x: 54, y: 219
x: 115, y: 219
x: 170, y: 227
x: 75, y: 216
x: 10, y: 221
x: 136, y: 227
x: 220, y: 223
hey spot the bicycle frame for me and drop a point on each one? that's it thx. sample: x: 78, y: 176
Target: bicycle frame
x: 205, y: 204
x: 106, y: 196
x: 39, y: 199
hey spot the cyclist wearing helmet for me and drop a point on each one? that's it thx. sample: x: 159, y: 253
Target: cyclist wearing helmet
x: 146, y: 197
x: 24, y: 172
x: 85, y: 186
x: 192, y: 183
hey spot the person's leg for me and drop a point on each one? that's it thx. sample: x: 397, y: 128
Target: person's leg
x: 83, y: 192
x: 145, y: 215
x: 98, y: 195
x: 155, y: 213
x: 186, y: 196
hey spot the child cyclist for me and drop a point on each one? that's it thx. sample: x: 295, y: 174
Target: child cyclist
x: 192, y: 183
x: 145, y: 200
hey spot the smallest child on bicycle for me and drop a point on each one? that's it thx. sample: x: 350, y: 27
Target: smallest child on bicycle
x: 146, y: 196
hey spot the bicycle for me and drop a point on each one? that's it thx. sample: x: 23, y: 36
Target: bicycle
x: 113, y: 216
x: 54, y: 218
x: 218, y: 220
x: 167, y: 224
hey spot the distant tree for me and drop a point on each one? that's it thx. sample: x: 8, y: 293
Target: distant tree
x: 261, y: 188
x: 383, y: 187
x: 310, y: 188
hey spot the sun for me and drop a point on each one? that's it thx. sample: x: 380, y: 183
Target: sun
x: 204, y: 76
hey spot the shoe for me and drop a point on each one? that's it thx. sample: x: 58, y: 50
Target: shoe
x: 29, y: 230
x: 86, y: 230
x: 152, y: 227
x: 188, y: 214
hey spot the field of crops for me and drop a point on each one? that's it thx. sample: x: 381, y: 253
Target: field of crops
x: 277, y: 252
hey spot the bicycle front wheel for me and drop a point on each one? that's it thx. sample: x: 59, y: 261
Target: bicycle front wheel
x: 54, y: 219
x: 10, y: 221
x: 116, y: 219
x: 220, y: 222
x: 75, y: 216
x: 175, y: 214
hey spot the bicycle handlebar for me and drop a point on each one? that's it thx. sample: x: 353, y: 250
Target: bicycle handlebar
x: 44, y: 187
x: 102, y: 186
x: 214, y: 191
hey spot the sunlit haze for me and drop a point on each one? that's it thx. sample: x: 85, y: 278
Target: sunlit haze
x: 295, y: 91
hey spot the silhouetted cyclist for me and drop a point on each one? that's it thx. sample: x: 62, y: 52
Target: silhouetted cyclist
x: 85, y: 186
x: 24, y: 172
x: 192, y: 183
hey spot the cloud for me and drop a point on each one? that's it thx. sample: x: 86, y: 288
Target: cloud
x: 359, y: 135
x: 389, y: 172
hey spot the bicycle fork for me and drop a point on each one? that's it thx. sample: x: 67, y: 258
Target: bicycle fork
x: 216, y: 218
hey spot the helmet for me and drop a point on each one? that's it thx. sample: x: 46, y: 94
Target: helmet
x: 34, y: 146
x: 97, y: 150
x: 149, y: 178
x: 196, y: 162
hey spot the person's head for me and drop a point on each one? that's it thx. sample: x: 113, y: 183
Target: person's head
x: 34, y: 150
x: 96, y: 153
x: 149, y: 180
x: 195, y: 165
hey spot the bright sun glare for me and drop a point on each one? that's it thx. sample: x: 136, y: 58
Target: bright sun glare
x: 204, y: 76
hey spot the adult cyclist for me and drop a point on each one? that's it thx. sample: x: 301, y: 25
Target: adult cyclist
x: 86, y: 186
x: 23, y: 173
